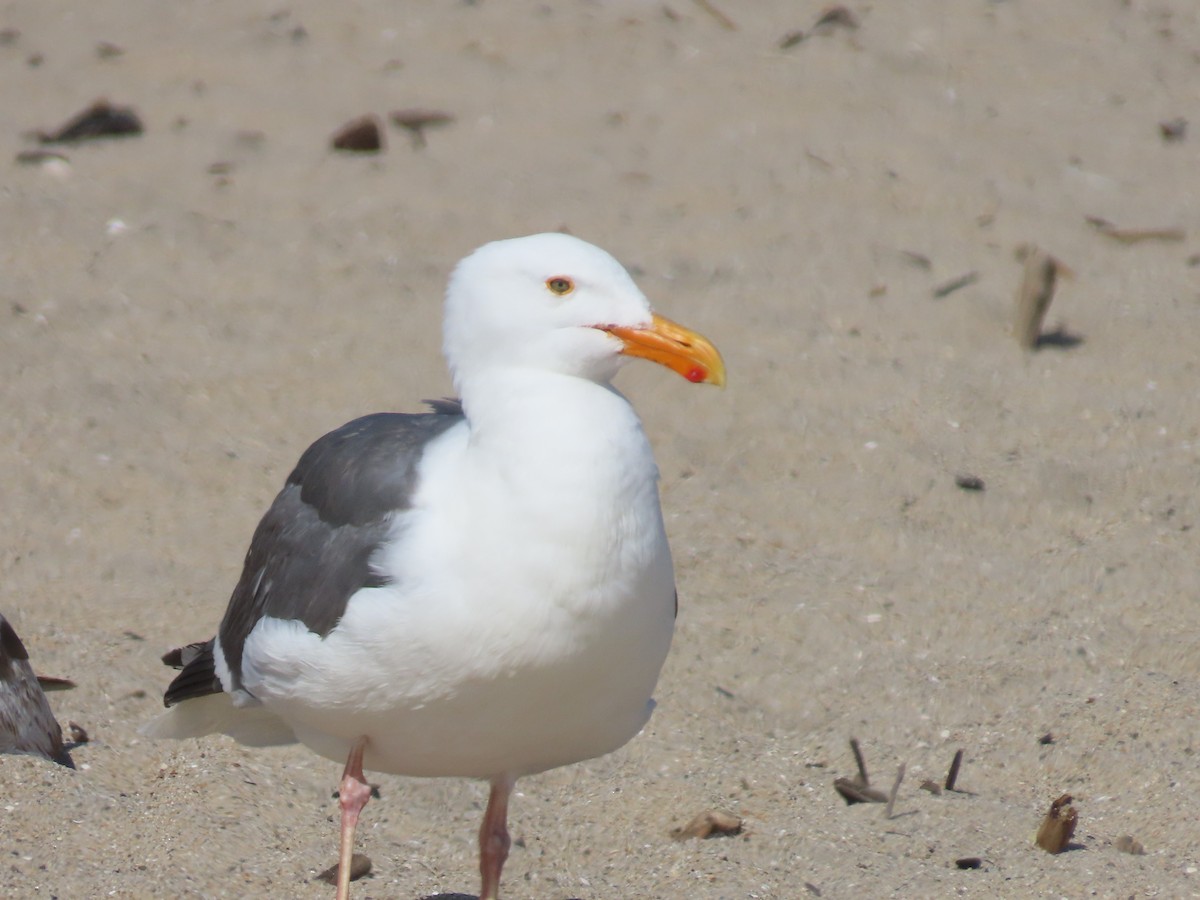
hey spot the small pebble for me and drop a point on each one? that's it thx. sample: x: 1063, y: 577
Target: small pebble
x: 710, y: 823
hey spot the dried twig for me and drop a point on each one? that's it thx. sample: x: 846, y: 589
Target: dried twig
x: 863, y: 778
x: 1135, y: 235
x: 952, y: 775
x: 858, y: 789
x: 835, y: 17
x: 853, y: 792
x: 891, y: 803
x: 727, y: 23
x: 415, y: 121
x: 791, y: 39
x: 1034, y: 296
x: 53, y: 683
x: 946, y: 288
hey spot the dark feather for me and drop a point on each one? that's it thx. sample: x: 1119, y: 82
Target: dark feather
x: 27, y: 724
x: 11, y: 647
x: 199, y: 675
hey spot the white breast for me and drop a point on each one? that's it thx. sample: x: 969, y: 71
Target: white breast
x: 531, y: 607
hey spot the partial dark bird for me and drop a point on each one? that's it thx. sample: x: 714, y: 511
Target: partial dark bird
x: 26, y: 723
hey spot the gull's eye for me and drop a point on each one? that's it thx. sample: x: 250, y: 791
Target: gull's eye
x: 560, y: 285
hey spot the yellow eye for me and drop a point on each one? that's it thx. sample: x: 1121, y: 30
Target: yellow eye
x: 560, y: 285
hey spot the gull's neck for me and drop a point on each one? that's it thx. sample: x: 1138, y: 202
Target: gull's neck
x: 533, y: 418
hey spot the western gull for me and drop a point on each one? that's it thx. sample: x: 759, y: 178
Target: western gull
x: 484, y: 590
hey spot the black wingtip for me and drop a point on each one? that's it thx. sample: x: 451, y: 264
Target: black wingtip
x: 198, y: 677
x: 446, y: 406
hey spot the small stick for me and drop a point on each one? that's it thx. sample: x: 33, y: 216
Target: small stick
x: 891, y: 804
x: 1034, y: 296
x: 952, y: 777
x: 955, y: 284
x: 725, y: 21
x: 1135, y: 235
x: 853, y: 792
x: 834, y: 17
x: 415, y: 121
x: 862, y: 766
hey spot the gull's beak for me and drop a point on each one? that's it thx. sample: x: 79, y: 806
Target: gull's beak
x: 670, y: 344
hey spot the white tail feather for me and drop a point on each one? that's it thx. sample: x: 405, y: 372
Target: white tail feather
x: 252, y: 726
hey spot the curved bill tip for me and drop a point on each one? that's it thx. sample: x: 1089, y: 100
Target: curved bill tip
x: 670, y: 344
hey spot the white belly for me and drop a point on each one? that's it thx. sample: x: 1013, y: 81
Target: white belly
x: 525, y: 628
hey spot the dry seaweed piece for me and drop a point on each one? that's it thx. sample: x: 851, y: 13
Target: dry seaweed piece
x: 1173, y: 130
x: 1034, y: 295
x: 710, y: 823
x: 709, y: 7
x: 1057, y: 829
x: 946, y: 288
x: 1127, y: 843
x: 415, y: 121
x: 362, y: 135
x: 891, y: 800
x: 54, y: 683
x: 791, y: 39
x: 858, y: 789
x: 952, y: 775
x: 853, y: 792
x: 360, y: 867
x: 1134, y: 235
x: 835, y: 17
x: 100, y: 120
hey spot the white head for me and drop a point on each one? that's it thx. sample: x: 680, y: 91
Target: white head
x: 556, y: 303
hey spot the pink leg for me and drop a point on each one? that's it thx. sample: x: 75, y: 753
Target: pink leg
x: 353, y: 794
x: 493, y: 838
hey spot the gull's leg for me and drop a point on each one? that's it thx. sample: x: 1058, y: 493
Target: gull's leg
x: 493, y: 837
x: 353, y: 794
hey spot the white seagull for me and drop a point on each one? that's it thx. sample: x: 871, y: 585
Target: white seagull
x: 481, y: 591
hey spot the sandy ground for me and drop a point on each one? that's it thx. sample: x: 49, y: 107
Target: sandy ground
x: 174, y: 334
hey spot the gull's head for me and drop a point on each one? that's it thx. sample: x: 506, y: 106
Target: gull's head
x: 556, y: 303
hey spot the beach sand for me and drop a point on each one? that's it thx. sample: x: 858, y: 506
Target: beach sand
x: 184, y: 311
